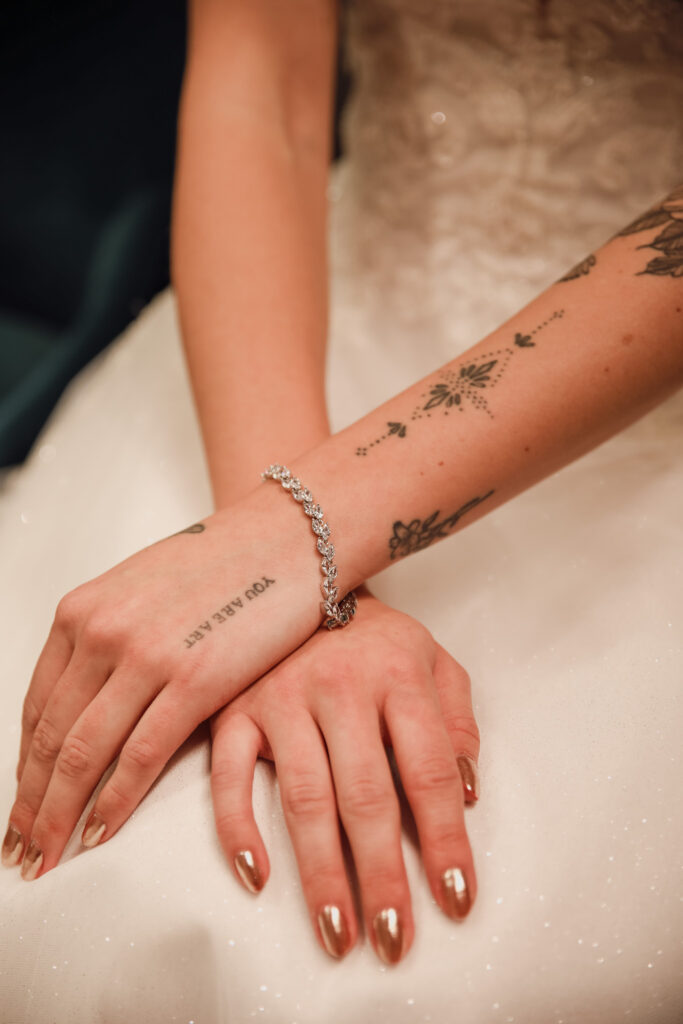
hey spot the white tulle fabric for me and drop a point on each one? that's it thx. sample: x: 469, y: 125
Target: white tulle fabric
x: 489, y: 145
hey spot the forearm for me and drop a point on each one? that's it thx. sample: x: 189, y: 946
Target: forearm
x: 249, y: 248
x: 582, y: 361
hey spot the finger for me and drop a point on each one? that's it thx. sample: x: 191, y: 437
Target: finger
x: 88, y: 749
x: 72, y: 693
x: 164, y: 726
x: 311, y: 814
x: 236, y: 742
x: 455, y: 697
x: 369, y: 809
x: 51, y: 665
x: 432, y: 783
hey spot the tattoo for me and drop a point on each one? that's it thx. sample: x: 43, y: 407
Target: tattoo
x: 227, y: 611
x: 195, y: 528
x: 668, y: 242
x: 465, y: 385
x: 580, y: 270
x: 419, y: 534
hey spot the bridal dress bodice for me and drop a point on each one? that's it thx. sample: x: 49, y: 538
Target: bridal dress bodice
x: 488, y: 146
x: 494, y: 144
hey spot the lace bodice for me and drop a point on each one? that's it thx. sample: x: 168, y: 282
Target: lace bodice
x: 492, y: 144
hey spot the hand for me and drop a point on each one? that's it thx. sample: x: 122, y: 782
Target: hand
x: 139, y: 656
x: 324, y: 715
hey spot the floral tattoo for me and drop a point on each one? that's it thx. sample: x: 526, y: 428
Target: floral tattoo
x: 669, y: 242
x: 464, y: 386
x: 420, y: 533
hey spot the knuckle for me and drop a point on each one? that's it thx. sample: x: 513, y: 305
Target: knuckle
x: 140, y: 754
x: 305, y: 798
x: 68, y: 610
x: 47, y: 825
x: 445, y: 840
x: 97, y: 632
x: 75, y: 758
x: 318, y: 876
x: 23, y: 810
x: 381, y: 880
x: 335, y: 679
x: 230, y: 822
x: 367, y: 798
x: 463, y: 725
x: 30, y: 714
x: 434, y: 773
x: 400, y: 666
x: 45, y: 744
x: 116, y: 798
x: 226, y: 775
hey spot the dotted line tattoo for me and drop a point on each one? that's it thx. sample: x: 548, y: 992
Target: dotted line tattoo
x: 465, y: 385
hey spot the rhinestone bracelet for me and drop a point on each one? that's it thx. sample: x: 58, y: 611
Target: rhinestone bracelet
x: 335, y: 614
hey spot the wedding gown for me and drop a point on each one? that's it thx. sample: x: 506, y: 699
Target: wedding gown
x: 489, y: 146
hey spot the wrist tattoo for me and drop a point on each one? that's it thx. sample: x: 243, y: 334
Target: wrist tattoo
x: 228, y: 611
x: 420, y: 533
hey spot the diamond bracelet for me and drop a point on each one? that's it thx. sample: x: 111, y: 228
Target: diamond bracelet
x: 334, y: 614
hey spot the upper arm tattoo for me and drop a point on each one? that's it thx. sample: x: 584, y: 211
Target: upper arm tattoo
x: 669, y: 242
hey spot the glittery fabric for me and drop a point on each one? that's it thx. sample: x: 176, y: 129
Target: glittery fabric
x: 487, y: 151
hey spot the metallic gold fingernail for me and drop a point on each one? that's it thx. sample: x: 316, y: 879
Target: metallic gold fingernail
x: 456, y: 895
x: 470, y: 777
x: 389, y: 935
x: 246, y: 868
x: 12, y: 846
x: 32, y: 862
x: 94, y: 830
x: 333, y: 929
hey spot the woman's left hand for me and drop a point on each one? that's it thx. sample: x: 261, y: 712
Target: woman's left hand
x: 324, y: 716
x: 137, y: 658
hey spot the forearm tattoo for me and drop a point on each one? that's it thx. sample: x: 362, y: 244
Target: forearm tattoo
x: 228, y: 611
x: 465, y: 386
x: 580, y: 270
x: 420, y: 533
x: 668, y: 242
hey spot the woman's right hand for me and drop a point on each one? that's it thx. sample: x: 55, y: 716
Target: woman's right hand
x: 324, y: 716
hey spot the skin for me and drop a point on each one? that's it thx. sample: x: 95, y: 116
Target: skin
x: 255, y: 132
x: 117, y: 677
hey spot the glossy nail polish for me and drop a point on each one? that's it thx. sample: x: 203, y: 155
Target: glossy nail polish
x: 389, y: 935
x: 246, y: 868
x: 470, y: 777
x: 94, y: 830
x: 333, y: 929
x: 12, y: 846
x: 456, y: 895
x: 32, y: 862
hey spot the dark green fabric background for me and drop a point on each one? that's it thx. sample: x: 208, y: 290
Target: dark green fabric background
x: 89, y: 93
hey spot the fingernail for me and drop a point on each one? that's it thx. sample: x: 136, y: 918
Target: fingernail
x: 333, y: 930
x: 456, y: 895
x: 12, y: 847
x: 32, y: 861
x: 94, y: 830
x: 389, y: 935
x: 470, y: 777
x: 246, y: 868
